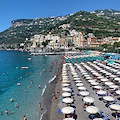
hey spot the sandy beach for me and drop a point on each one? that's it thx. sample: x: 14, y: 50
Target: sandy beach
x: 52, y: 107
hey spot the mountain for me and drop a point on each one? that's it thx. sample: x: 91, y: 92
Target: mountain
x: 108, y: 13
x: 102, y: 23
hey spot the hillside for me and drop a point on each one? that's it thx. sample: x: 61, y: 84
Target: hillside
x: 102, y: 25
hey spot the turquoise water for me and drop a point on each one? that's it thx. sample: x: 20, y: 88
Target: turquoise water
x: 11, y: 74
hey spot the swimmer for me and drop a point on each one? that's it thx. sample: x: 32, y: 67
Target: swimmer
x: 25, y: 90
x: 11, y: 100
x: 39, y: 86
x: 15, y: 104
x: 1, y: 113
x: 29, y: 86
x: 6, y: 112
x: 9, y: 111
x: 25, y: 118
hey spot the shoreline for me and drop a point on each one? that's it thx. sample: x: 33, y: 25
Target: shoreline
x: 49, y: 107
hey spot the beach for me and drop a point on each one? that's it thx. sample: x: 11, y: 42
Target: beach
x: 80, y: 113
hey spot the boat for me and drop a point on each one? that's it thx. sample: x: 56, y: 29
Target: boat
x: 29, y: 58
x: 24, y: 67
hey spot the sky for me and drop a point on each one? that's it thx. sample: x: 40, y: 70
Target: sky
x: 22, y: 9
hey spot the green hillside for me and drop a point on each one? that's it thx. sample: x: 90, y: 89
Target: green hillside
x: 101, y: 25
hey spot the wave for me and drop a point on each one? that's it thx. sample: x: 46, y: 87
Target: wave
x: 52, y: 79
x: 43, y: 90
x: 42, y: 115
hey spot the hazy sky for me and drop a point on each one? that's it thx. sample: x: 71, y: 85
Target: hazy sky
x: 20, y: 9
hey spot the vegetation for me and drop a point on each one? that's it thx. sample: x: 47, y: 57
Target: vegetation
x: 86, y: 22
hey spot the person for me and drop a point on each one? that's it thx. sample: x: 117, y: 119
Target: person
x: 55, y: 97
x: 1, y: 113
x: 6, y: 112
x: 25, y: 118
x: 39, y: 86
x: 11, y: 99
x: 9, y: 111
x: 15, y: 104
x: 25, y: 90
x: 40, y: 106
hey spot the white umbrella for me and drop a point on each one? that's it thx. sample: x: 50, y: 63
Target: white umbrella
x: 97, y: 87
x: 101, y: 92
x: 66, y: 94
x: 109, y: 83
x: 108, y: 98
x: 92, y: 109
x: 91, y: 81
x: 66, y: 89
x: 118, y: 92
x: 94, y: 83
x: 88, y: 78
x: 115, y: 107
x: 118, y: 79
x: 113, y: 86
x: 78, y: 81
x: 84, y: 93
x: 88, y: 99
x: 67, y: 110
x: 65, y: 84
x: 65, y: 81
x: 104, y: 80
x: 86, y: 75
x: 82, y: 88
x: 68, y: 119
x: 79, y: 84
x: 100, y: 77
x: 77, y: 78
x: 113, y: 76
x: 67, y: 100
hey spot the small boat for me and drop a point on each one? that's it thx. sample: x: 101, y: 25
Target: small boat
x: 24, y: 67
x: 29, y: 58
x: 18, y: 84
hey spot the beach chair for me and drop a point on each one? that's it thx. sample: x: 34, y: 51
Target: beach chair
x: 106, y: 117
x: 101, y: 113
x: 59, y: 111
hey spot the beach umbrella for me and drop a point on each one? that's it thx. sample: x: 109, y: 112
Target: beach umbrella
x: 82, y: 88
x: 68, y: 119
x: 92, y: 109
x: 86, y: 75
x: 65, y: 84
x: 67, y: 110
x: 84, y: 93
x: 115, y: 107
x: 113, y: 86
x: 79, y: 84
x: 113, y: 76
x: 78, y: 81
x: 91, y: 81
x: 77, y: 78
x: 88, y: 99
x: 118, y: 79
x: 65, y: 81
x: 118, y: 92
x: 104, y: 79
x: 100, y: 77
x: 67, y: 100
x: 66, y: 94
x: 108, y: 98
x: 64, y: 77
x: 101, y: 92
x: 94, y: 83
x: 88, y: 78
x: 66, y: 89
x: 97, y: 87
x: 109, y: 83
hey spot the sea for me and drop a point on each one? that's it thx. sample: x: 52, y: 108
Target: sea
x: 14, y: 81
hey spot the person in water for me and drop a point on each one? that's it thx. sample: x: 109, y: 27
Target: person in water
x: 1, y: 113
x: 6, y: 112
x: 39, y: 86
x: 25, y: 118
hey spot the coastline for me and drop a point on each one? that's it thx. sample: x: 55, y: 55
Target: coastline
x: 50, y: 109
